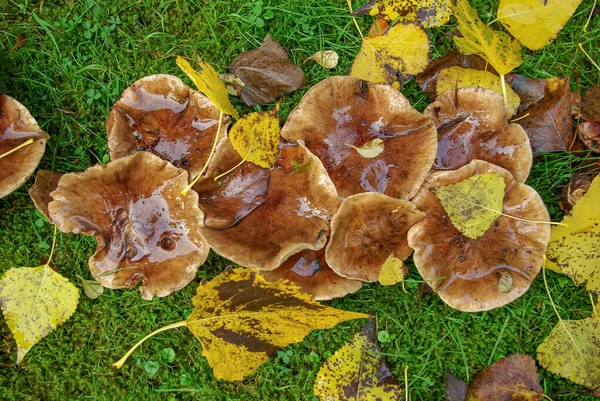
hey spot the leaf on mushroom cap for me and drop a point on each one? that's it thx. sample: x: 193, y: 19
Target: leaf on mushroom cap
x: 341, y: 113
x: 472, y: 124
x: 300, y: 202
x: 366, y: 230
x: 471, y: 274
x: 146, y: 230
x: 430, y: 13
x: 17, y: 126
x: 256, y: 137
x: 46, y: 181
x: 161, y: 115
x: 267, y: 73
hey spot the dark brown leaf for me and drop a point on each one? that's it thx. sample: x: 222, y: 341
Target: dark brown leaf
x: 456, y: 389
x: 590, y: 104
x: 21, y: 41
x: 577, y: 187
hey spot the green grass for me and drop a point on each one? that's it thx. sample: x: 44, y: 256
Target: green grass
x: 80, y: 56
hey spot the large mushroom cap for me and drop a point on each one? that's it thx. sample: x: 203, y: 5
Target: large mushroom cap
x: 16, y: 127
x: 46, y: 181
x: 146, y: 230
x: 366, y: 231
x: 472, y: 123
x: 162, y: 115
x: 488, y: 272
x: 341, y: 115
x: 299, y: 204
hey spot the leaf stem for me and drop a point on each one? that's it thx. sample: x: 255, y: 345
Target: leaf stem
x: 593, y: 305
x: 53, y: 245
x: 119, y: 364
x: 406, y: 397
x: 504, y: 95
x: 26, y: 143
x: 516, y: 218
x: 590, y: 17
x: 588, y: 56
x: 354, y: 19
x: 230, y: 170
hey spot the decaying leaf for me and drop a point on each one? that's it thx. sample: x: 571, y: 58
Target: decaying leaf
x: 512, y: 378
x: 356, y: 372
x: 572, y: 350
x: 456, y: 389
x: 577, y: 187
x: 390, y: 57
x: 370, y: 149
x: 267, y: 73
x: 535, y: 23
x: 392, y: 272
x: 474, y: 203
x: 588, y: 129
x: 429, y: 13
x: 233, y: 84
x: 575, y: 248
x: 325, y: 58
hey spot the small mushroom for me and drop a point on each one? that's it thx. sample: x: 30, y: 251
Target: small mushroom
x: 46, y: 181
x: 474, y: 275
x: 161, y: 115
x: 472, y: 123
x: 17, y: 127
x: 341, y: 115
x: 367, y: 230
x: 146, y: 230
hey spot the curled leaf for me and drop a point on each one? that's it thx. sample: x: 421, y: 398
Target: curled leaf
x: 325, y: 58
x: 370, y: 149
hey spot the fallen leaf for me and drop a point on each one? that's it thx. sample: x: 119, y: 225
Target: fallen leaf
x: 590, y: 104
x: 370, y: 149
x: 267, y: 73
x: 392, y: 272
x: 234, y: 85
x: 512, y: 378
x: 589, y: 133
x: 575, y: 248
x: 325, y: 58
x: 92, y: 289
x: 588, y: 129
x: 572, y: 350
x: 20, y: 42
x: 456, y: 389
x: 474, y: 203
x: 357, y: 372
x: 429, y: 13
x: 391, y: 57
x: 577, y: 187
x: 535, y: 23
x: 505, y: 282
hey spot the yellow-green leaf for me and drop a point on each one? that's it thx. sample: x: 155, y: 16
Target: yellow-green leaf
x: 572, y: 350
x: 256, y: 137
x: 357, y: 372
x: 35, y: 301
x: 370, y: 149
x: 241, y: 319
x: 325, y: 58
x: 535, y: 23
x: 429, y: 12
x: 473, y: 204
x: 459, y: 77
x: 497, y: 48
x: 208, y: 82
x: 402, y: 50
x: 392, y: 271
x: 575, y: 248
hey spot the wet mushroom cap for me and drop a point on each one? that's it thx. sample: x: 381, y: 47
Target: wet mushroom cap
x: 146, y: 230
x: 16, y: 127
x: 299, y: 204
x: 474, y: 275
x: 366, y: 230
x: 341, y: 114
x: 472, y: 123
x: 46, y: 181
x: 162, y: 115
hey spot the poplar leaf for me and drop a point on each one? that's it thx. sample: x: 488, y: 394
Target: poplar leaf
x: 370, y: 149
x: 535, y: 23
x: 575, y: 248
x: 325, y: 58
x: 208, y: 82
x: 256, y: 137
x: 35, y: 301
x: 392, y: 272
x: 357, y: 372
x: 429, y: 12
x: 474, y: 203
x: 497, y: 48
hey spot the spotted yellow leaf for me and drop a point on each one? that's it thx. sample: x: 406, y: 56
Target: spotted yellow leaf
x: 429, y: 12
x: 575, y: 247
x: 535, y: 23
x: 208, y: 82
x: 474, y: 203
x: 357, y: 372
x: 392, y: 271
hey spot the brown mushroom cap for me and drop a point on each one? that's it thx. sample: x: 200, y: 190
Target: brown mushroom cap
x: 46, y: 181
x: 146, y: 230
x: 300, y: 202
x: 341, y: 113
x: 16, y: 127
x: 472, y: 123
x: 367, y: 229
x: 162, y: 115
x: 474, y: 275
x: 310, y: 271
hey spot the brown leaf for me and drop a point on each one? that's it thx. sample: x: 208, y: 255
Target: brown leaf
x: 267, y: 73
x: 21, y: 41
x: 577, y: 187
x: 589, y: 133
x: 456, y: 389
x: 590, y: 104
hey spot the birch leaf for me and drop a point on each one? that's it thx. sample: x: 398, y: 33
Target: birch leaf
x: 370, y: 149
x: 256, y: 137
x: 392, y: 272
x: 429, y: 12
x: 325, y: 58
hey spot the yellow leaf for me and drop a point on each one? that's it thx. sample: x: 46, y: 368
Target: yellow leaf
x: 325, y: 58
x: 473, y: 204
x: 256, y: 137
x: 208, y: 82
x: 572, y: 350
x: 575, y: 248
x: 35, y: 301
x: 535, y: 23
x: 357, y: 372
x: 497, y: 48
x: 459, y: 77
x: 402, y: 50
x: 429, y: 12
x: 369, y: 149
x: 392, y: 271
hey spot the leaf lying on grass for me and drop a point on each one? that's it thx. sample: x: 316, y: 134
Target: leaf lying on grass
x: 430, y: 13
